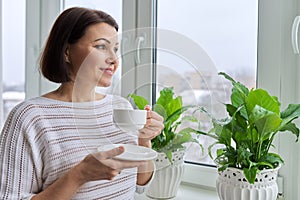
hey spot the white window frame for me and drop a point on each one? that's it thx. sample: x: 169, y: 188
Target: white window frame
x: 1, y: 66
x: 277, y: 69
x: 139, y: 21
x: 40, y: 16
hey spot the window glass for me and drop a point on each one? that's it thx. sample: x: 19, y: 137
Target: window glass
x: 198, y: 39
x: 13, y: 54
x: 114, y: 8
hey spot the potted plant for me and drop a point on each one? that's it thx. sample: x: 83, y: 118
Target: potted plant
x: 170, y: 143
x: 247, y: 166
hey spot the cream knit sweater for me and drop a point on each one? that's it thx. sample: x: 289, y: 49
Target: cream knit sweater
x: 43, y: 138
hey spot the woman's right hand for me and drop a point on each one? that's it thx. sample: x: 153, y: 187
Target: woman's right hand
x: 103, y: 166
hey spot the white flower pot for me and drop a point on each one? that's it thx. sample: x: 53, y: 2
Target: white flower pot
x: 232, y: 185
x: 167, y: 176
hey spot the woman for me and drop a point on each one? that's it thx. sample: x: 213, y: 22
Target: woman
x: 48, y: 144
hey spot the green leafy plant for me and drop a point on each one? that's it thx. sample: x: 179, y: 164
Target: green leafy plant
x: 247, y: 134
x: 171, y: 109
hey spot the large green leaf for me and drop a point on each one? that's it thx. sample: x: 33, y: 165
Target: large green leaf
x: 225, y: 136
x: 166, y: 95
x: 190, y: 118
x: 265, y: 121
x: 238, y: 100
x: 272, y: 158
x: 292, y: 128
x: 182, y: 136
x: 139, y: 101
x: 264, y: 165
x: 250, y: 174
x: 263, y: 99
x: 179, y: 139
x: 169, y: 156
x: 253, y: 135
x: 242, y: 89
x: 240, y: 137
x: 175, y: 115
x: 238, y: 125
x: 290, y: 113
x: 160, y: 110
x: 173, y: 105
x: 239, y: 94
x: 243, y: 156
x: 231, y: 109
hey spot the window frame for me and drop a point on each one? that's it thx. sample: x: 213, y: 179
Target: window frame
x: 1, y: 66
x: 142, y: 17
x: 274, y: 54
x: 40, y: 16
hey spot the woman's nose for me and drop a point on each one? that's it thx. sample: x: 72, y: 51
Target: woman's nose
x: 113, y: 58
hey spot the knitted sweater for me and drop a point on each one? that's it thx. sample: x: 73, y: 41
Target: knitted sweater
x: 43, y: 138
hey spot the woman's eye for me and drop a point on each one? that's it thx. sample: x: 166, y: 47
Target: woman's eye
x: 116, y: 50
x: 101, y: 46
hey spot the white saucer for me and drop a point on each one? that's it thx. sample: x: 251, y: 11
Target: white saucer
x: 132, y: 152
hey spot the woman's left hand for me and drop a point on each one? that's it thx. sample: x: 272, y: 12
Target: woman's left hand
x: 153, y: 127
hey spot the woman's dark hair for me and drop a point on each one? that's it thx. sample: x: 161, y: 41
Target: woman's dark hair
x: 68, y: 28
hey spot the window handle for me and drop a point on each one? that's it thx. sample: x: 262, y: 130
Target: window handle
x: 295, y: 29
x: 139, y: 41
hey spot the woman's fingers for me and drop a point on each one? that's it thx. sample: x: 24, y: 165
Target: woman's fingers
x: 155, y: 123
x: 153, y: 117
x: 103, y: 155
x: 108, y: 159
x: 115, y: 166
x: 122, y: 164
x: 104, y: 165
x: 153, y: 127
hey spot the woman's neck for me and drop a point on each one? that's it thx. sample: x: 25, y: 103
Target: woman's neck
x: 70, y: 92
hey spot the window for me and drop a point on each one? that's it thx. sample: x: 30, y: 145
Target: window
x: 13, y: 55
x: 223, y: 37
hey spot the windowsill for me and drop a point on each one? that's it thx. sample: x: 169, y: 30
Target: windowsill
x: 189, y: 192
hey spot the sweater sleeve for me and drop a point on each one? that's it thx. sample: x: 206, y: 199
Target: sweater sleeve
x: 18, y: 170
x: 140, y: 189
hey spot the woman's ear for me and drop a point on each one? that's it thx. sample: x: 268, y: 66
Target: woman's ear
x: 67, y: 55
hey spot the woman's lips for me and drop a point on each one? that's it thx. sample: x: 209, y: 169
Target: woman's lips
x: 108, y: 71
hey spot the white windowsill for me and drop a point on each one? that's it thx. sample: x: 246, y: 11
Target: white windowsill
x: 189, y: 192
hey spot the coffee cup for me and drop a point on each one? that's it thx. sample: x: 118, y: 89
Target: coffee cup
x: 129, y: 119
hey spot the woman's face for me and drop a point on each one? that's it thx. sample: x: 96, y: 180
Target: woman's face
x: 93, y: 58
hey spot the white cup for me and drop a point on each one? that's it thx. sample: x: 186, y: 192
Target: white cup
x: 129, y: 120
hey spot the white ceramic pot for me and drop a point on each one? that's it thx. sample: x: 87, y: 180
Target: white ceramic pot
x: 232, y: 185
x: 167, y: 176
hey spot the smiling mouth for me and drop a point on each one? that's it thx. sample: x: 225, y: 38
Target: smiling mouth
x: 108, y: 71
